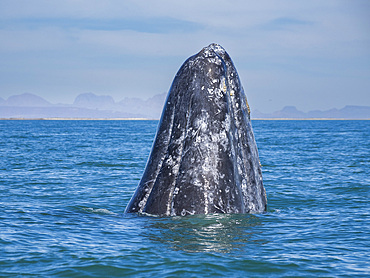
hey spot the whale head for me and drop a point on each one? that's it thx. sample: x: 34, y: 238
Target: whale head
x: 204, y: 158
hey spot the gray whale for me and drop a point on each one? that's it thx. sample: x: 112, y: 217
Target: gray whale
x: 204, y: 158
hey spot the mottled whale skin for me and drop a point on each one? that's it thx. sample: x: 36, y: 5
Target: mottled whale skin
x: 204, y: 158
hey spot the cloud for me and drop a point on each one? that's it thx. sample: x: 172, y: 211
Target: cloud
x: 110, y: 46
x: 286, y: 23
x: 146, y: 25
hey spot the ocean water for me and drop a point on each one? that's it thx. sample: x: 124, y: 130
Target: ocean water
x: 64, y: 186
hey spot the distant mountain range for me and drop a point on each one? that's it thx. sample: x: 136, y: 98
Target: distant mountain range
x: 347, y: 112
x: 90, y: 105
x: 86, y: 105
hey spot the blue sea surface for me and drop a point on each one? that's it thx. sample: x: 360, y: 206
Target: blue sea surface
x: 64, y: 186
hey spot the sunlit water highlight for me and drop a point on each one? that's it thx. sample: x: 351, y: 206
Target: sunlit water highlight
x: 64, y: 186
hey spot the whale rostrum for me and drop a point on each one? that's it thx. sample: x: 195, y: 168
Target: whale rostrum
x: 204, y: 158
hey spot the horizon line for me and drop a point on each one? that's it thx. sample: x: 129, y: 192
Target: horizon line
x: 152, y: 119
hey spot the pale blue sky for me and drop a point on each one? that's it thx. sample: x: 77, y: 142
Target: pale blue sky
x: 311, y: 54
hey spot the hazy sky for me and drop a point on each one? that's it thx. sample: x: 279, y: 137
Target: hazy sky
x: 311, y: 54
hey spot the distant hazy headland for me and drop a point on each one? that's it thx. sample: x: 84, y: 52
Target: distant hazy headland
x: 89, y: 105
x: 84, y: 106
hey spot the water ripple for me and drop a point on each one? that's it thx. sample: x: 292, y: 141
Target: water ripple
x: 64, y: 186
